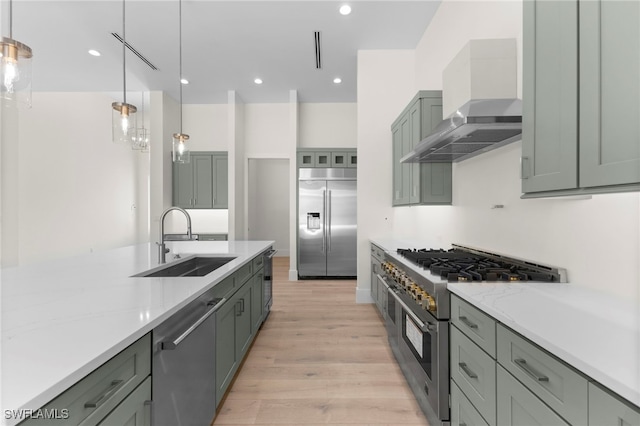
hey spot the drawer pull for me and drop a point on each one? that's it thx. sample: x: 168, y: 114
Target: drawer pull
x: 467, y: 370
x: 468, y: 323
x: 108, y: 393
x: 530, y: 371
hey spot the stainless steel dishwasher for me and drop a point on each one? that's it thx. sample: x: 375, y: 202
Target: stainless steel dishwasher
x: 268, y: 281
x: 184, y: 355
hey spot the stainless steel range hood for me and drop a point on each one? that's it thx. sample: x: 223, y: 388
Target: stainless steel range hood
x: 478, y: 126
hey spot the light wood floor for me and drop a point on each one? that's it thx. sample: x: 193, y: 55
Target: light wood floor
x: 320, y: 358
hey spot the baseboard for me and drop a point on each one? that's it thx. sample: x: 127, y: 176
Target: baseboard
x: 293, y: 275
x: 363, y: 295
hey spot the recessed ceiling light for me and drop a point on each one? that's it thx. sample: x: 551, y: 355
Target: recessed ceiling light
x: 258, y: 81
x: 184, y: 81
x: 345, y: 9
x: 94, y: 52
x: 337, y: 80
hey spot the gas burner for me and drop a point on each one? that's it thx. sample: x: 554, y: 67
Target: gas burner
x: 459, y: 265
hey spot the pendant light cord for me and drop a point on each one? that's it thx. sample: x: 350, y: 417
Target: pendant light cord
x: 180, y: 54
x: 124, y: 53
x: 11, y: 19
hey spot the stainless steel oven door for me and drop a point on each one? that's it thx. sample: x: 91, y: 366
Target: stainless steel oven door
x: 424, y: 344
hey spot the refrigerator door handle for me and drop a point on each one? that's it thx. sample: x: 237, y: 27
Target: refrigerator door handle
x: 329, y: 222
x: 324, y: 220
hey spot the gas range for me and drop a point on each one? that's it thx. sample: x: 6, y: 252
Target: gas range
x: 421, y: 275
x: 418, y: 310
x: 464, y: 264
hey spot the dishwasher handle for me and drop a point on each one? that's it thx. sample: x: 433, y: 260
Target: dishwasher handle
x: 173, y: 344
x: 271, y: 253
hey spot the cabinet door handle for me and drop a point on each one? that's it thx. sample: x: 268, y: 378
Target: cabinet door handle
x: 468, y: 323
x: 242, y: 305
x: 467, y: 370
x: 530, y: 371
x: 525, y: 168
x: 237, y: 308
x: 100, y: 399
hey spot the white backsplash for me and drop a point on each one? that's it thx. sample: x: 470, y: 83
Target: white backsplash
x: 203, y: 221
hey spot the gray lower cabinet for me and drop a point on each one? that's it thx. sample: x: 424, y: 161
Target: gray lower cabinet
x: 378, y: 293
x: 203, y: 182
x: 238, y: 321
x: 257, y: 304
x: 226, y: 360
x: 243, y: 320
x: 474, y: 372
x: 116, y: 385
x: 559, y: 386
x: 134, y: 410
x: 581, y: 97
x: 517, y: 405
x: 524, y: 385
x: 606, y: 409
x: 419, y: 183
x: 463, y: 413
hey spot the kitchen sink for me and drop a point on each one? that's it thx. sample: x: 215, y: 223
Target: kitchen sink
x: 193, y: 267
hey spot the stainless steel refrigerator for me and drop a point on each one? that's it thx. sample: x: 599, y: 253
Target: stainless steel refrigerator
x: 327, y: 222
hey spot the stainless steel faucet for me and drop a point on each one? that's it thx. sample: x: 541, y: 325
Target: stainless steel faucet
x: 162, y: 249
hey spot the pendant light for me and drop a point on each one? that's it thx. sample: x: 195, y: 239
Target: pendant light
x: 142, y: 136
x: 123, y: 116
x: 15, y: 67
x: 180, y: 152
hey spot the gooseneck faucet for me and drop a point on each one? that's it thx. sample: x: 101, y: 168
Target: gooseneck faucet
x: 162, y: 250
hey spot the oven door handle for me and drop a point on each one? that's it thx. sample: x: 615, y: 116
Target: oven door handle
x: 421, y: 325
x: 383, y: 281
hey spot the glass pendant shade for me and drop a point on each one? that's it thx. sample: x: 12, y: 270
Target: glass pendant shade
x: 123, y: 123
x: 180, y: 152
x: 15, y: 72
x: 141, y: 140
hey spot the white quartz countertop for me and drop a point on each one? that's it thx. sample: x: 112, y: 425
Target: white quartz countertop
x: 596, y: 332
x: 62, y: 319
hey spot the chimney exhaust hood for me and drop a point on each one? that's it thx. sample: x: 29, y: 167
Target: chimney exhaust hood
x: 478, y: 126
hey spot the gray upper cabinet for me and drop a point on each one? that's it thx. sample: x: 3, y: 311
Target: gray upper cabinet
x: 609, y: 92
x: 581, y: 97
x: 401, y: 172
x: 419, y: 183
x: 550, y: 96
x: 327, y: 157
x: 220, y: 198
x: 203, y: 182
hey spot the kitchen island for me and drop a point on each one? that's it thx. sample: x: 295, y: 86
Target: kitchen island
x: 63, y: 319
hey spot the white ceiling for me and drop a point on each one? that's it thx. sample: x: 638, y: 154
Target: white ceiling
x: 226, y: 44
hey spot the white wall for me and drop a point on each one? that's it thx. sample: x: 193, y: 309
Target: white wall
x: 385, y: 86
x: 266, y: 130
x: 269, y: 202
x: 328, y: 125
x: 207, y: 127
x: 78, y: 192
x: 580, y: 235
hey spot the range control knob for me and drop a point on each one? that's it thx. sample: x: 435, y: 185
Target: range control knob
x: 429, y: 303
